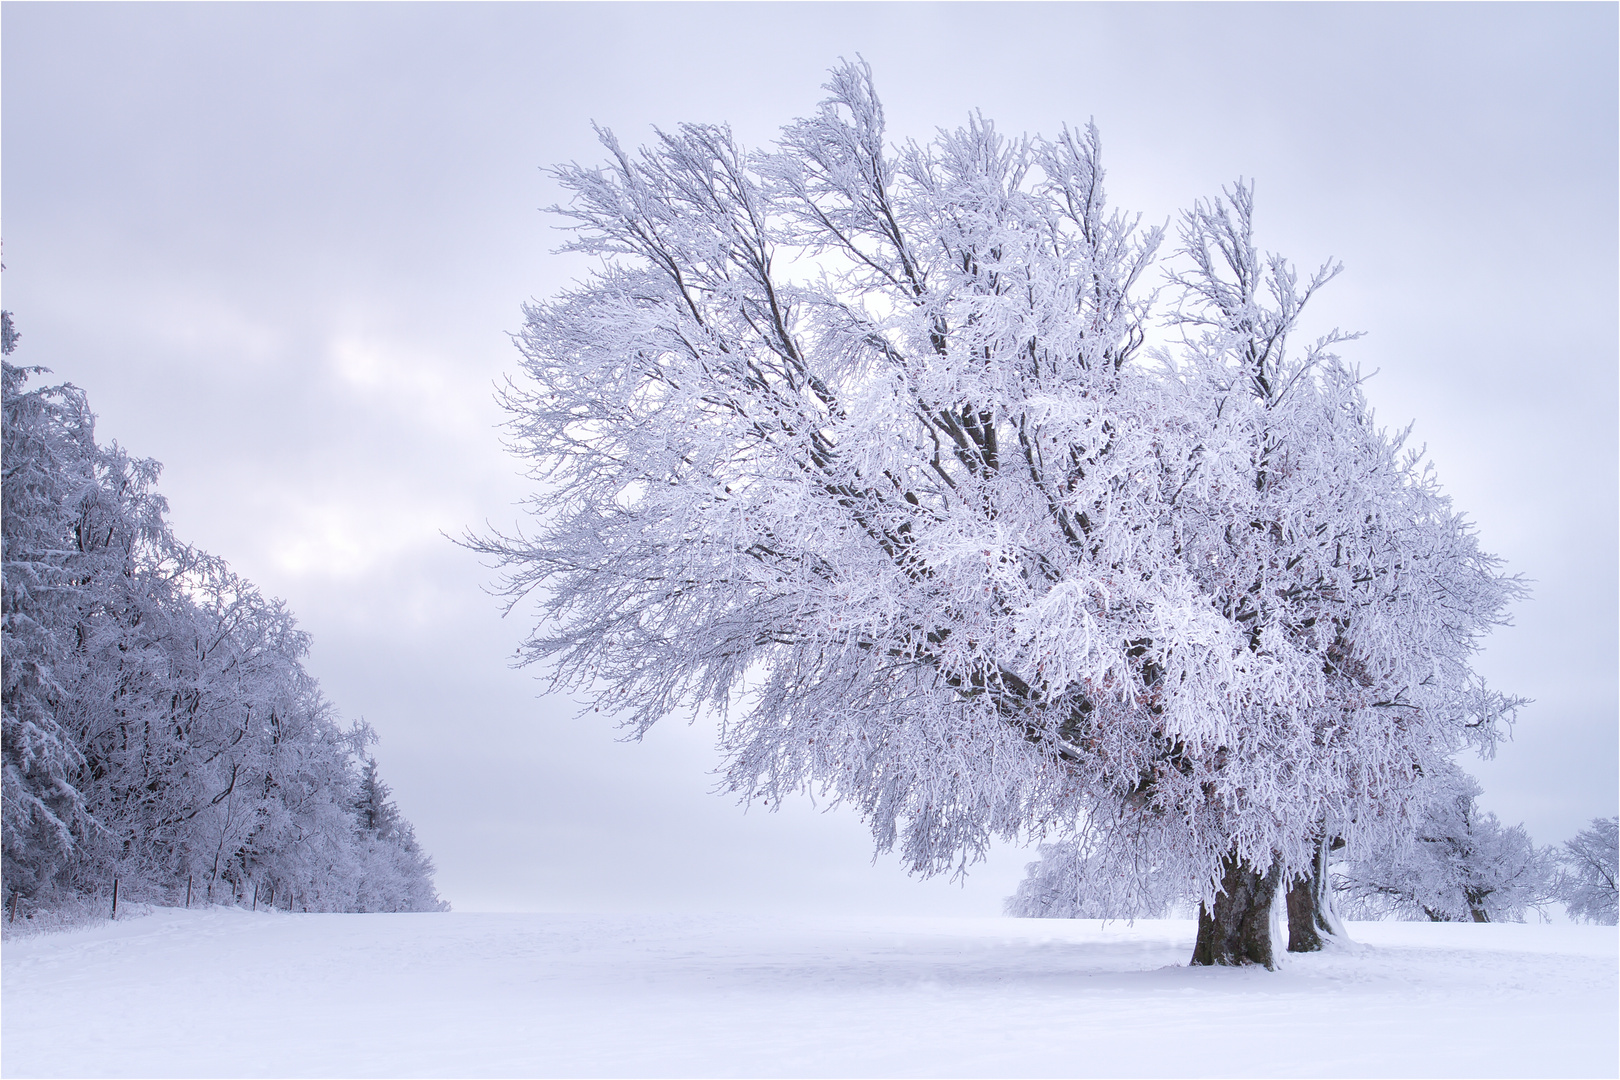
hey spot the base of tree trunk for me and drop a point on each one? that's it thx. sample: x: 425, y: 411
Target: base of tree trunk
x: 1238, y: 930
x: 1307, y: 900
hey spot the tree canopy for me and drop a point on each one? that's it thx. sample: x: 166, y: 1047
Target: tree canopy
x: 862, y: 447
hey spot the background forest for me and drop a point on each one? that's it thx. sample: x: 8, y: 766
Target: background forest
x: 161, y: 731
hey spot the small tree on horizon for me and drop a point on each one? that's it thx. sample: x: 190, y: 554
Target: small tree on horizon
x: 1458, y: 863
x: 1590, y: 866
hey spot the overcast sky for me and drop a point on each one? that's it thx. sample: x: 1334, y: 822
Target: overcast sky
x: 282, y: 247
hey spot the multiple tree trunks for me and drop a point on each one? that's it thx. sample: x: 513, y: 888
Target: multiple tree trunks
x: 1238, y: 930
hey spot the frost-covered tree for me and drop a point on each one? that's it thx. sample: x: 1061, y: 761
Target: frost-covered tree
x: 1458, y: 864
x: 1070, y: 882
x: 1589, y: 868
x: 854, y: 445
x: 374, y: 811
x: 48, y: 466
x: 395, y: 873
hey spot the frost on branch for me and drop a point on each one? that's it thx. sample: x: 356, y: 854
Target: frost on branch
x: 855, y: 445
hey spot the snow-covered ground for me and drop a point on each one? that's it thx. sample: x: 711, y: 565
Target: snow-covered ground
x: 229, y: 993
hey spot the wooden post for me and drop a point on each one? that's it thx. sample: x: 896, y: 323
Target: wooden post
x: 255, y: 896
x: 15, y: 893
x: 115, y: 898
x: 188, y: 890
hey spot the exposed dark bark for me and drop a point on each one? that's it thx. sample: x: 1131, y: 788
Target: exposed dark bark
x: 1305, y: 930
x: 1238, y: 931
x: 1307, y: 903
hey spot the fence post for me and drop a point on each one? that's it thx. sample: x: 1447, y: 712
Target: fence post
x: 115, y: 898
x: 188, y: 890
x: 15, y: 893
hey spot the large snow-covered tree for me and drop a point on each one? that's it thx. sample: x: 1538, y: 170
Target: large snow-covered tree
x: 844, y: 438
x: 855, y: 445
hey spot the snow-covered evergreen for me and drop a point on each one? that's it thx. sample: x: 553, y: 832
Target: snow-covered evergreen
x: 395, y: 873
x: 160, y: 728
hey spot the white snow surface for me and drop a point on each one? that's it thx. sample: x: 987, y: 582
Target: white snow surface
x: 224, y: 992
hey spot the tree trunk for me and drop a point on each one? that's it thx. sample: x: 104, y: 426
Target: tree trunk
x: 1238, y: 931
x: 1309, y: 916
x: 1305, y: 930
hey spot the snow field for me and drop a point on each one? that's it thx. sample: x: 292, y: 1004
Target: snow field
x: 225, y: 992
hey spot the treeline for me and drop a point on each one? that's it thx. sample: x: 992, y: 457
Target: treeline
x: 159, y: 726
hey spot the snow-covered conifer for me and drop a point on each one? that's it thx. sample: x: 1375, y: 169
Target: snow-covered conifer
x: 375, y: 812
